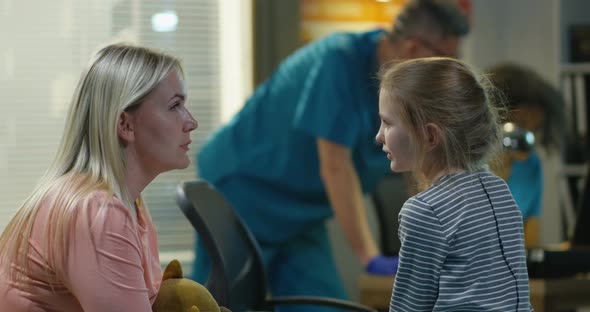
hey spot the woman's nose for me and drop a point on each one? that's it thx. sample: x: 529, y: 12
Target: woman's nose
x: 191, y: 124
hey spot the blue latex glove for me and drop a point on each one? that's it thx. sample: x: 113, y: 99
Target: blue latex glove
x: 382, y: 265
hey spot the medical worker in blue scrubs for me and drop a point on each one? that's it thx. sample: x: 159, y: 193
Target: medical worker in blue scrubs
x: 302, y: 149
x: 532, y: 104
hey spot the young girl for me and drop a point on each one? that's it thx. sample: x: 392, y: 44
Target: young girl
x: 83, y: 240
x: 462, y: 245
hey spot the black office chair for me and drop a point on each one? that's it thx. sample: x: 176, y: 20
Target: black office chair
x: 237, y: 278
x: 388, y: 198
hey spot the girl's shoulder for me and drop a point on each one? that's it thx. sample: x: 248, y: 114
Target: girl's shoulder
x: 453, y: 186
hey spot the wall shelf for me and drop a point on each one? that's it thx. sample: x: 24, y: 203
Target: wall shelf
x: 575, y: 68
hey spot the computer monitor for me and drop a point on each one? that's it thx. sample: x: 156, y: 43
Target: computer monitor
x: 581, y: 235
x: 559, y: 263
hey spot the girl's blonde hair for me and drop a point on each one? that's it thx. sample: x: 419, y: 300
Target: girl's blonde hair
x: 90, y: 156
x: 447, y: 93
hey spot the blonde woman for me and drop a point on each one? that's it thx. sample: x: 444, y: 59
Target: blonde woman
x: 83, y: 240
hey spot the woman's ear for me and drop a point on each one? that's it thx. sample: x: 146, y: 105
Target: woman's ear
x: 409, y: 49
x: 433, y: 135
x: 125, y: 128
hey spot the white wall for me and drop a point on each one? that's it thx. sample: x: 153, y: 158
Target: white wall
x: 522, y: 31
x: 42, y: 51
x: 235, y: 26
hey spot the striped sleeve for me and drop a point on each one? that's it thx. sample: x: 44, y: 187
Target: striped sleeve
x: 422, y: 254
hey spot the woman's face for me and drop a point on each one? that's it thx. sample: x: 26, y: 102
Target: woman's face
x: 161, y: 127
x: 394, y: 136
x: 528, y: 117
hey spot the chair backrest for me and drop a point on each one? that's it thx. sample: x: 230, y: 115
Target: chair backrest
x: 237, y: 279
x: 388, y: 198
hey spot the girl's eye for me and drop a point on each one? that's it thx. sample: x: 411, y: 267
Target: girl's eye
x: 175, y: 105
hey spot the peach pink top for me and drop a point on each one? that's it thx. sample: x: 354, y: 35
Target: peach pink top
x: 114, y: 266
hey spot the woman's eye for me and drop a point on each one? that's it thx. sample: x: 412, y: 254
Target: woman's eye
x: 175, y: 105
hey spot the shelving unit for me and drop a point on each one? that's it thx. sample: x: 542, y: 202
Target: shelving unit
x: 573, y: 74
x: 574, y: 77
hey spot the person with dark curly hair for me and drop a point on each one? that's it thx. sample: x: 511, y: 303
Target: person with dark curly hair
x: 534, y: 106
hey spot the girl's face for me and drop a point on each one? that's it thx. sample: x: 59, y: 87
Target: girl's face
x: 394, y: 136
x: 162, y: 126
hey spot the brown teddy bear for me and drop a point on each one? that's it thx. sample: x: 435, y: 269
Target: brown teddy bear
x: 178, y: 294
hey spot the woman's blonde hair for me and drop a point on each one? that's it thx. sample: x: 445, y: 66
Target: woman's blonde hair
x: 90, y: 156
x: 446, y: 93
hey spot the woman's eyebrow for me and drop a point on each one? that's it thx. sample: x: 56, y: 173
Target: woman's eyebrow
x: 181, y: 96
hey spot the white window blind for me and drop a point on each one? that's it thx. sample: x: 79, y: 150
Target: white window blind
x: 46, y: 45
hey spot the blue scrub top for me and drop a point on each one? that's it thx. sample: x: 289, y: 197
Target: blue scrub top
x: 526, y: 184
x: 327, y: 89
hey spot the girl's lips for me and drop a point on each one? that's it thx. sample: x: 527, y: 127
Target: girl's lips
x: 185, y: 146
x: 389, y: 156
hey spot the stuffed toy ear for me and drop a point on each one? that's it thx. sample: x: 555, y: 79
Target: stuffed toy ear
x: 181, y: 294
x: 173, y: 270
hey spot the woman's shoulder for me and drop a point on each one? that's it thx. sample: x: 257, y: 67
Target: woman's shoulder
x: 82, y: 198
x: 101, y: 212
x: 85, y: 198
x: 87, y: 190
x: 100, y: 196
x: 104, y: 205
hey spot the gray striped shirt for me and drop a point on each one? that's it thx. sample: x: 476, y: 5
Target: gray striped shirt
x: 459, y: 254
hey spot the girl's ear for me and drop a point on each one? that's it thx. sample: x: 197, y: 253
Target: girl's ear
x: 433, y: 134
x: 125, y: 128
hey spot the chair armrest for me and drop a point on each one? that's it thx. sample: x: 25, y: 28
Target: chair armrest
x: 322, y: 301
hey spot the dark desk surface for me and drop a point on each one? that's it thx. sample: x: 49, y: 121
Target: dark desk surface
x: 546, y: 295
